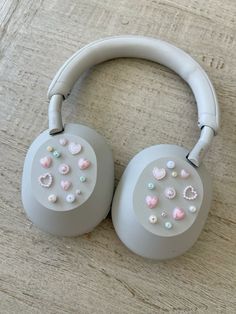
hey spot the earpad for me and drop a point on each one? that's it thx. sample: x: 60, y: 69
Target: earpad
x: 68, y: 179
x: 161, y: 202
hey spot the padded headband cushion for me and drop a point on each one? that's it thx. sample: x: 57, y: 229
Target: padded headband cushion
x: 145, y: 48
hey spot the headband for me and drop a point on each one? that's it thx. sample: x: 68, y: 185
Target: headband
x: 144, y: 48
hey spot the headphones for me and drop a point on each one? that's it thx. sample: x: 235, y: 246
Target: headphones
x: 163, y: 198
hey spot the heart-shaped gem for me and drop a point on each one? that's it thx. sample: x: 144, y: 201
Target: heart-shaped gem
x: 184, y: 174
x: 65, y: 184
x: 178, y: 213
x: 151, y: 201
x: 189, y: 193
x: 46, y: 161
x: 159, y: 173
x: 83, y: 163
x: 170, y: 193
x: 74, y: 148
x: 45, y: 180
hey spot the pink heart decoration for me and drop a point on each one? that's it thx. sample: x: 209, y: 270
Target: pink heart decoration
x: 178, y: 213
x: 45, y: 180
x: 46, y: 162
x: 65, y: 185
x: 83, y: 163
x: 151, y: 201
x: 159, y: 173
x: 74, y: 148
x: 184, y: 174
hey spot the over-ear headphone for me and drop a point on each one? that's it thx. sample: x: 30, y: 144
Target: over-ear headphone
x: 163, y: 198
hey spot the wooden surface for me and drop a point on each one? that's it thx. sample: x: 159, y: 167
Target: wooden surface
x: 134, y: 104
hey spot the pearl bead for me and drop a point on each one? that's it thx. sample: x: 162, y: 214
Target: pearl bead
x: 174, y: 174
x: 50, y: 149
x: 82, y: 179
x: 151, y: 186
x: 52, y: 198
x: 70, y: 198
x: 56, y: 154
x: 168, y: 225
x: 78, y: 192
x: 153, y: 219
x: 170, y: 164
x: 192, y: 209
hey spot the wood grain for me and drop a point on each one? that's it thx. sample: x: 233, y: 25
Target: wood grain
x: 134, y: 104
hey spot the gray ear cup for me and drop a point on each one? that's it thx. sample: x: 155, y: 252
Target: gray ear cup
x: 161, y: 202
x: 68, y: 179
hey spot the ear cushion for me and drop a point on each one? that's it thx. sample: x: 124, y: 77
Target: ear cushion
x: 68, y: 181
x: 161, y: 203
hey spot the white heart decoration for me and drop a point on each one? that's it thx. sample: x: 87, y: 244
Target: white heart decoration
x: 159, y: 173
x: 45, y: 180
x: 74, y: 148
x: 189, y: 193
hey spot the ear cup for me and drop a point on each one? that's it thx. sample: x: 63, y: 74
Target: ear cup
x: 68, y: 181
x: 161, y: 202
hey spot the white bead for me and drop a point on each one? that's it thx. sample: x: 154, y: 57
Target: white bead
x: 70, y: 198
x: 168, y: 225
x: 164, y: 214
x: 52, y: 198
x: 170, y: 164
x: 151, y: 186
x: 174, y: 174
x: 153, y: 219
x: 192, y: 209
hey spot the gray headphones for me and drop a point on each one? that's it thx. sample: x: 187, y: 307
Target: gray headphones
x: 163, y: 198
